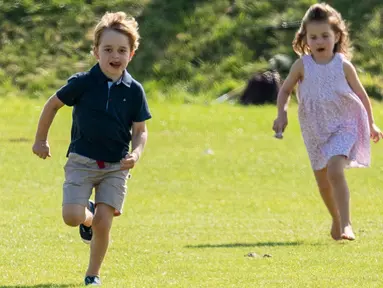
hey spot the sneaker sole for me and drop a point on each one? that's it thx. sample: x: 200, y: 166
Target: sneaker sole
x: 86, y: 241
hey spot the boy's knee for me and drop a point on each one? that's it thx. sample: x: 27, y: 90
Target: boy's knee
x: 71, y: 220
x: 102, y: 221
x: 73, y: 214
x: 101, y: 225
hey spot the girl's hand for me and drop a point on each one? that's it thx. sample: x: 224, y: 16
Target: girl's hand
x: 375, y: 133
x: 280, y: 124
x: 41, y: 149
x: 129, y: 161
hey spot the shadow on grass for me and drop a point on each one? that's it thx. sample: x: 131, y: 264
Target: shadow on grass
x: 19, y: 140
x: 236, y: 245
x: 42, y: 286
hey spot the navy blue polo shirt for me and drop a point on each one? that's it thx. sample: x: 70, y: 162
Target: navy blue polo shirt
x: 103, y: 113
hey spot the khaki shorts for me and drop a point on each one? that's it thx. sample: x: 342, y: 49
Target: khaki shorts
x: 82, y: 174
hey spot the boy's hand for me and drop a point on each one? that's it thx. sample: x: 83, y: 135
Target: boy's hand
x: 129, y: 161
x: 375, y: 133
x: 41, y: 148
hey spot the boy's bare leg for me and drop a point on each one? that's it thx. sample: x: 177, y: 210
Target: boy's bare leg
x: 329, y: 200
x: 102, y: 222
x: 88, y: 219
x: 76, y: 214
x: 336, y: 177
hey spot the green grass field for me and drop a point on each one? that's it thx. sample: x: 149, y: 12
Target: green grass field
x: 213, y: 185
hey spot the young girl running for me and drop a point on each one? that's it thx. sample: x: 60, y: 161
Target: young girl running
x: 334, y: 111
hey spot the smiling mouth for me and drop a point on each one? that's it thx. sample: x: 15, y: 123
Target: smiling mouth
x: 320, y: 49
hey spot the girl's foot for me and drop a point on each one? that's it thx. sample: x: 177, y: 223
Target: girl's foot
x: 348, y: 234
x: 336, y: 233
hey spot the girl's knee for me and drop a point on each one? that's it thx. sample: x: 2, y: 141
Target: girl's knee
x: 337, y: 161
x: 335, y: 167
x: 73, y: 214
x: 335, y: 173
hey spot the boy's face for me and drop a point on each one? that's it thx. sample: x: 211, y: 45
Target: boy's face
x: 321, y: 39
x: 113, y: 53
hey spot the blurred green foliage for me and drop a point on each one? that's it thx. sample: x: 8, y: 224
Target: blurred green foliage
x: 190, y: 49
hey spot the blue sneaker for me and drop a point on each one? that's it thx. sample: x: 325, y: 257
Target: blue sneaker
x: 92, y: 280
x: 86, y: 232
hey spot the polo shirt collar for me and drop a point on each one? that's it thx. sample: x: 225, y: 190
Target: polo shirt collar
x: 125, y: 79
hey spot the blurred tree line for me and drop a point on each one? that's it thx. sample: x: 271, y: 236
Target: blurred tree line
x: 189, y: 49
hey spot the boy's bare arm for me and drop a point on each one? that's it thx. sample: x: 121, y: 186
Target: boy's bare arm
x: 139, y: 138
x: 41, y: 146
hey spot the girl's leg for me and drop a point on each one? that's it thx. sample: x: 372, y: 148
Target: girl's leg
x: 329, y: 200
x: 102, y: 222
x: 336, y: 177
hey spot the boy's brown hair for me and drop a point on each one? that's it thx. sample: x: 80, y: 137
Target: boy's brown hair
x: 121, y: 23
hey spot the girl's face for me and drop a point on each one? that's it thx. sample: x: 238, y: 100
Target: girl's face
x: 113, y: 53
x: 321, y: 40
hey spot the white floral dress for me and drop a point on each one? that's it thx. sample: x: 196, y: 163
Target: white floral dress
x: 333, y: 119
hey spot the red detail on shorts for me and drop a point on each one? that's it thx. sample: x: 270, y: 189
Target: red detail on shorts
x: 101, y: 164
